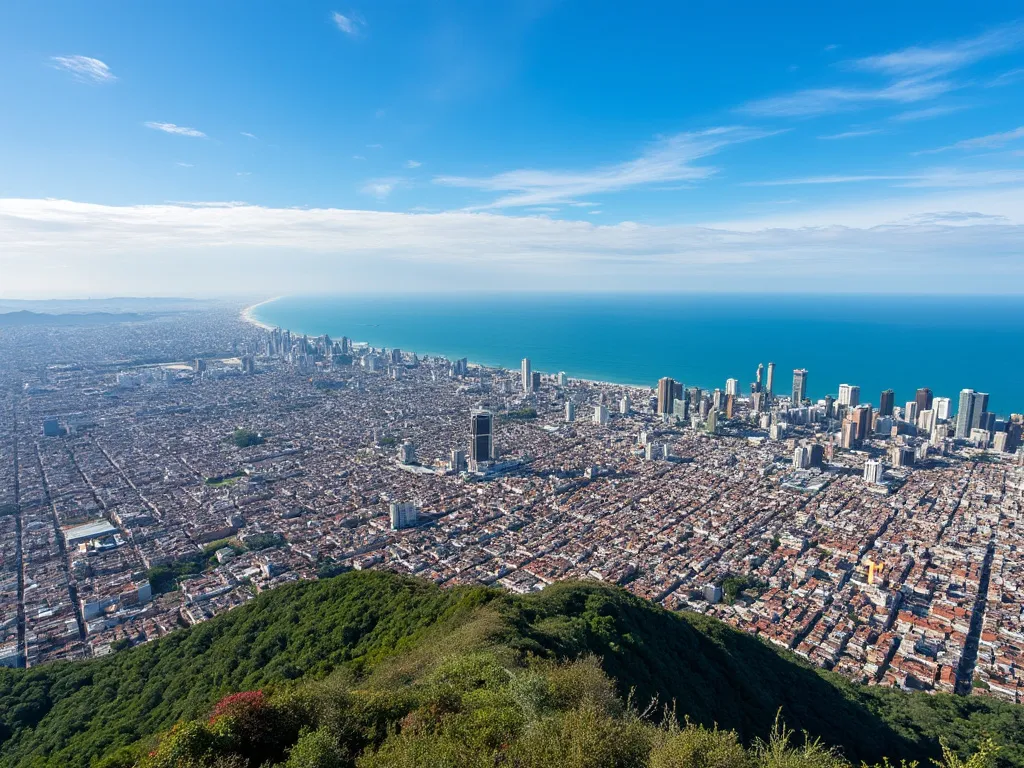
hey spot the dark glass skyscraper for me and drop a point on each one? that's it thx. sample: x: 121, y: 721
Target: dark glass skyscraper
x: 481, y: 446
x: 886, y: 402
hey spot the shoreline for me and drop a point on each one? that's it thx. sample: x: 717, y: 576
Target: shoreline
x: 247, y: 316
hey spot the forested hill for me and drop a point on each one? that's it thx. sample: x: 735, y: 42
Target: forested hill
x: 378, y: 667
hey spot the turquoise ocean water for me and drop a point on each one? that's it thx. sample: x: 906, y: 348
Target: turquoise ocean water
x: 876, y: 342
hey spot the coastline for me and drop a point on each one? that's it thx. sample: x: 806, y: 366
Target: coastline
x: 246, y: 315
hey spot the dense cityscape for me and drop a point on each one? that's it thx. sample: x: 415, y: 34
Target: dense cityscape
x: 156, y: 473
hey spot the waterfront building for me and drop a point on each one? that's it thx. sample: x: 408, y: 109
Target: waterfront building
x: 923, y: 398
x: 770, y: 386
x: 527, y: 375
x: 799, y: 385
x: 886, y: 402
x: 849, y: 395
x: 665, y: 392
x: 732, y: 387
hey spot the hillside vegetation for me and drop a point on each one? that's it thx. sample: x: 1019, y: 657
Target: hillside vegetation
x: 372, y: 669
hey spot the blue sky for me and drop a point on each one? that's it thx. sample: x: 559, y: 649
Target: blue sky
x: 548, y: 145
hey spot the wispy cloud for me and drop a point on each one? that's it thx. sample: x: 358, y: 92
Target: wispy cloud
x: 991, y: 141
x: 820, y: 101
x: 84, y: 68
x: 838, y: 179
x: 177, y: 130
x: 382, y: 188
x: 915, y: 74
x: 413, y: 163
x: 927, y: 113
x: 1006, y: 78
x: 851, y: 134
x: 351, y: 25
x: 949, y: 178
x: 918, y: 61
x: 185, y: 165
x: 248, y: 135
x: 669, y: 159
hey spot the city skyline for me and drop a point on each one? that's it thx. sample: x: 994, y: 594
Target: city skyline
x: 440, y: 146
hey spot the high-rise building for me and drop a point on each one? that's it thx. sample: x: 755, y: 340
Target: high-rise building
x: 972, y: 412
x: 481, y: 447
x: 759, y: 381
x: 849, y: 395
x: 861, y: 416
x: 817, y: 455
x: 563, y: 379
x: 848, y: 436
x: 886, y: 402
x: 457, y: 460
x: 801, y: 457
x: 570, y: 411
x: 535, y: 385
x: 923, y: 399
x: 942, y: 408
x: 873, y: 471
x: 601, y: 415
x: 407, y: 452
x: 732, y: 387
x: 830, y: 410
x: 910, y: 411
x: 665, y: 391
x: 624, y: 405
x: 730, y: 406
x: 770, y: 385
x: 717, y: 399
x: 403, y: 515
x: 799, y: 385
x: 527, y: 375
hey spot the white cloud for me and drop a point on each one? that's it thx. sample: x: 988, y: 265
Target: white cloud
x: 351, y: 25
x: 991, y: 141
x: 413, y: 163
x: 935, y: 178
x: 382, y: 188
x: 185, y: 165
x: 820, y: 101
x: 72, y: 248
x: 84, y: 68
x: 177, y: 130
x: 915, y: 74
x: 248, y: 135
x: 375, y: 146
x: 927, y: 113
x: 821, y: 180
x: 851, y: 134
x: 669, y: 159
x: 946, y: 57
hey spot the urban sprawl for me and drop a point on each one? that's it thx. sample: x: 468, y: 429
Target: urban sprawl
x: 156, y: 473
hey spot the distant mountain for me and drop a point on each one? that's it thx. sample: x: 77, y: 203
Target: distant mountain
x: 380, y: 670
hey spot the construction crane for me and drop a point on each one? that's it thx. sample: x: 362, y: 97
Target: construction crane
x: 873, y: 569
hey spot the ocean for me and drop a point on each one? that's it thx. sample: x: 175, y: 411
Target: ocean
x: 946, y: 343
